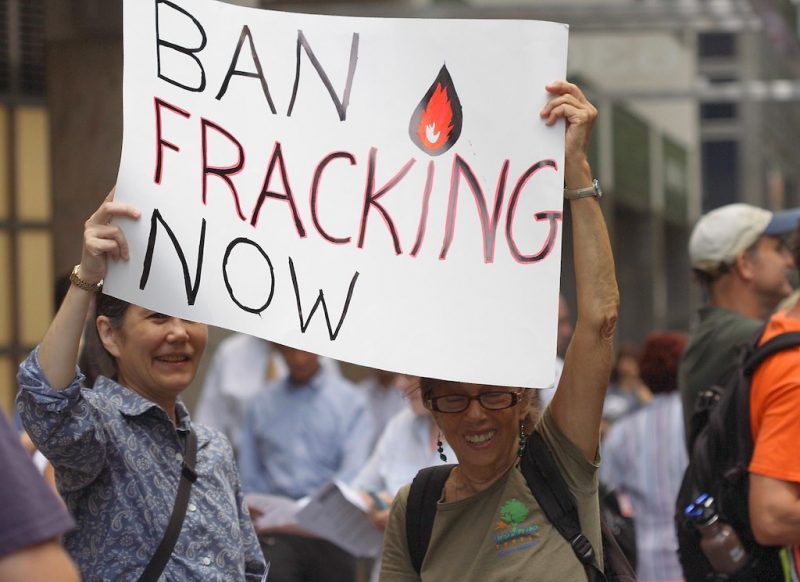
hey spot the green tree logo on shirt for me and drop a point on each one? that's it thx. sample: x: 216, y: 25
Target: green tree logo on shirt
x: 513, y: 512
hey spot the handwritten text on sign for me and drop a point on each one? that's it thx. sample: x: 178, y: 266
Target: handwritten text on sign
x: 381, y: 191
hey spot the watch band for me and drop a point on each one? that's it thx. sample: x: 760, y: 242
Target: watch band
x: 593, y: 190
x: 75, y: 279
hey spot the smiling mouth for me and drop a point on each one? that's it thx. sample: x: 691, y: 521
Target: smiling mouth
x: 173, y: 359
x: 480, y: 438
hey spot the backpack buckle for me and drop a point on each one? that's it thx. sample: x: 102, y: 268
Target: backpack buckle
x: 707, y: 399
x: 583, y: 548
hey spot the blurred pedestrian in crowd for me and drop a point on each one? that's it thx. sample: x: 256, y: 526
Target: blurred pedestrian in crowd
x: 31, y: 520
x: 118, y: 449
x: 408, y: 444
x: 384, y: 397
x: 300, y: 432
x: 627, y: 392
x: 740, y: 260
x: 644, y: 458
x: 241, y: 367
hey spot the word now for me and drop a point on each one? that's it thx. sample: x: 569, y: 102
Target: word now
x: 192, y: 287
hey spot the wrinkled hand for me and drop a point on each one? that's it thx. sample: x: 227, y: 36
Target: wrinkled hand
x: 569, y: 103
x: 103, y: 240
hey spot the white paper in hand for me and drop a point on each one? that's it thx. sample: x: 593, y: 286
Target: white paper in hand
x: 338, y: 513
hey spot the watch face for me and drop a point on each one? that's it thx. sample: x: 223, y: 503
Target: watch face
x: 597, y: 190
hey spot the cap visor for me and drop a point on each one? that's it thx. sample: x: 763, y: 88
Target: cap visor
x: 783, y: 222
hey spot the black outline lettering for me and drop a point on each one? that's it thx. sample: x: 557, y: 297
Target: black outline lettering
x: 161, y: 142
x: 341, y: 106
x: 191, y: 289
x: 222, y: 172
x: 277, y: 156
x: 423, y: 215
x: 228, y: 251
x: 315, y: 190
x: 232, y: 70
x: 321, y: 300
x: 488, y: 224
x: 189, y: 52
x: 552, y: 216
x: 370, y: 197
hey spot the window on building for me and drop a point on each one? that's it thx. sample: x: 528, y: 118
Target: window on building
x: 720, y: 173
x: 26, y: 271
x: 716, y: 44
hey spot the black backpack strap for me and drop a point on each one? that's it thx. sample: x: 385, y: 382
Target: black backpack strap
x: 188, y: 476
x: 776, y: 344
x: 425, y: 492
x: 551, y: 492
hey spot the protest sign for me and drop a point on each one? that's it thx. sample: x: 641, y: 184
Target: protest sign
x: 380, y: 191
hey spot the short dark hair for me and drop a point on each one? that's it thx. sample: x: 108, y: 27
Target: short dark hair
x: 95, y: 360
x: 111, y: 307
x: 658, y: 363
x: 426, y: 386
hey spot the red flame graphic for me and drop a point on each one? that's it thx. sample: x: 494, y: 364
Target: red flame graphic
x: 436, y: 123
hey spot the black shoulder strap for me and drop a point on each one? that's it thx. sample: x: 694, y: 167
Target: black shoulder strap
x: 551, y: 491
x: 773, y: 345
x: 188, y: 476
x: 426, y: 490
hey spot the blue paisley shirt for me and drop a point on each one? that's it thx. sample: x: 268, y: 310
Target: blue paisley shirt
x: 118, y: 458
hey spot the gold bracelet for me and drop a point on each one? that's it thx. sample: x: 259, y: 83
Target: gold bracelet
x: 75, y: 279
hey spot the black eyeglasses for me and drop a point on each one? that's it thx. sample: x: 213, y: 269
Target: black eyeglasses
x: 460, y: 402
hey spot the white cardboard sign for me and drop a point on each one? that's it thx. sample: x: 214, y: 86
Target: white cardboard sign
x: 380, y: 191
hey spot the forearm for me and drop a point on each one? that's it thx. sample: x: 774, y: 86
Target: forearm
x: 774, y: 507
x: 58, y: 351
x: 578, y: 403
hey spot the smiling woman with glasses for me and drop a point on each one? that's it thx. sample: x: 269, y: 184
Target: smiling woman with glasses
x: 487, y: 523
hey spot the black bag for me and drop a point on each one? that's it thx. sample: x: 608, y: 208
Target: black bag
x: 551, y: 492
x: 722, y: 445
x: 622, y: 527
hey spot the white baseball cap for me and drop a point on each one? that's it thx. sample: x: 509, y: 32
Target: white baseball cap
x: 728, y: 230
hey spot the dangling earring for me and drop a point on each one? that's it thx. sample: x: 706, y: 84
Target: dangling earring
x: 523, y: 438
x: 440, y: 448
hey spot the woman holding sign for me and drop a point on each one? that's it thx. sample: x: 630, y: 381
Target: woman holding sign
x: 483, y: 519
x: 150, y: 491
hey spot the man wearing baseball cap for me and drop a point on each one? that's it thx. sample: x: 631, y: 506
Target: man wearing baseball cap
x: 739, y: 257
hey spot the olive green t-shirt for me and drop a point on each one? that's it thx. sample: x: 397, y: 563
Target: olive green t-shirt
x: 501, y: 533
x: 711, y: 356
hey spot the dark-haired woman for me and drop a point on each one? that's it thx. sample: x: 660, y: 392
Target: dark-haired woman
x: 488, y: 525
x: 644, y: 457
x: 118, y: 448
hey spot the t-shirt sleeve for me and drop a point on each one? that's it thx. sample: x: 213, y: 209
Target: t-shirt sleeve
x: 31, y: 513
x: 580, y: 474
x: 775, y: 404
x: 396, y: 561
x: 581, y: 478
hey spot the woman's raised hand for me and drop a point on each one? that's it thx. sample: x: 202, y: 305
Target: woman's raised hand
x: 569, y: 103
x: 103, y: 240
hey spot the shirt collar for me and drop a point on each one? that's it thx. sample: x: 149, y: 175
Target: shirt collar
x: 131, y: 403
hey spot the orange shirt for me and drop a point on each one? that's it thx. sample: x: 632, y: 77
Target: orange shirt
x: 775, y: 408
